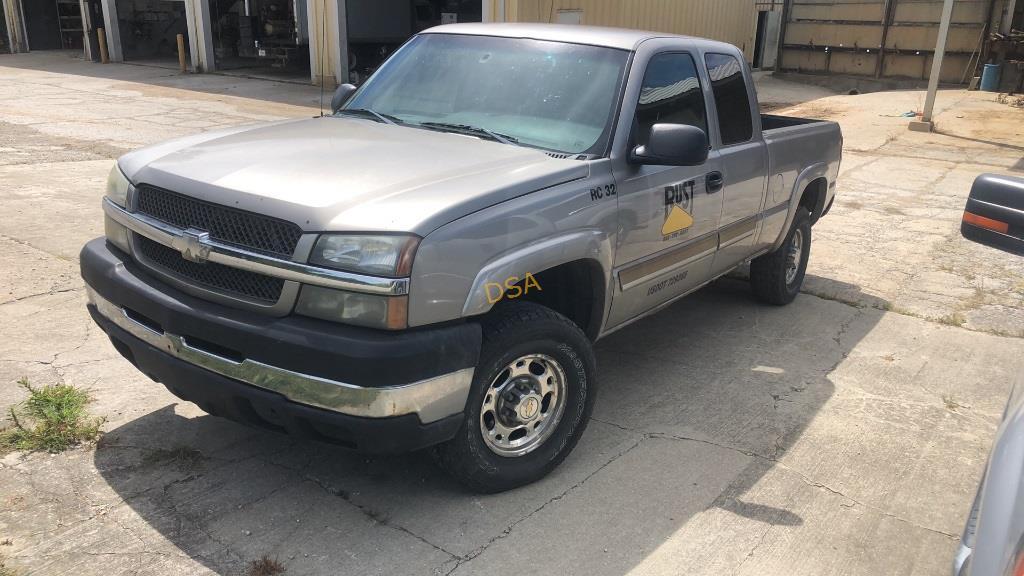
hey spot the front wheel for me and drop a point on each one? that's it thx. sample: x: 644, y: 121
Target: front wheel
x: 776, y: 277
x: 531, y: 398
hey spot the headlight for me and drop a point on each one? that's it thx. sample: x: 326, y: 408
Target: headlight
x: 375, y: 311
x: 117, y: 186
x: 377, y: 255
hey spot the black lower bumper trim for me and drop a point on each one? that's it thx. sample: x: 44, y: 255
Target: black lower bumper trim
x: 354, y: 355
x: 247, y: 404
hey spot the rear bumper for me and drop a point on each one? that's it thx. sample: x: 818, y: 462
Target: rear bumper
x: 372, y: 390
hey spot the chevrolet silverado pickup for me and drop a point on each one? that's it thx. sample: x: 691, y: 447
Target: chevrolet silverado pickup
x: 429, y: 264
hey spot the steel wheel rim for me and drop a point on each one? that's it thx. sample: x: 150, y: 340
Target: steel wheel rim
x: 794, y: 255
x: 523, y: 405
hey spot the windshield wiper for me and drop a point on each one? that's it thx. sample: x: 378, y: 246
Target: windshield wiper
x: 474, y: 130
x: 385, y: 118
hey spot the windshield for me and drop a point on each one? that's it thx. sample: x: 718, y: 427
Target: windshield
x: 549, y: 95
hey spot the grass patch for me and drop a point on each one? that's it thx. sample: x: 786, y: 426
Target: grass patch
x: 951, y: 403
x: 52, y: 419
x: 954, y: 319
x: 265, y: 566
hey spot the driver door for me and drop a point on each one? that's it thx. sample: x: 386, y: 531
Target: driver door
x: 668, y: 215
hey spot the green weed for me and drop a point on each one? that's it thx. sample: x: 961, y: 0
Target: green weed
x: 52, y: 419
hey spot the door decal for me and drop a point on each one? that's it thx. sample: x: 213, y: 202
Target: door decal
x: 678, y: 209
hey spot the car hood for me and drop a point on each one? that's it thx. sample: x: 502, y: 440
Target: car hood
x: 348, y: 174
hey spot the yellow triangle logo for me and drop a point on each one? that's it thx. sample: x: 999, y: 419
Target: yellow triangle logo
x: 677, y: 220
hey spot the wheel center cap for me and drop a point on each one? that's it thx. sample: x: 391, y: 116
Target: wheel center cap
x: 529, y: 408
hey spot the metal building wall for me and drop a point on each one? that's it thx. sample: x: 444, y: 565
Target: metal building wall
x: 846, y: 37
x: 733, y: 21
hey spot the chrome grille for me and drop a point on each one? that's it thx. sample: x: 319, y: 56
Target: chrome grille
x: 231, y: 281
x: 246, y: 230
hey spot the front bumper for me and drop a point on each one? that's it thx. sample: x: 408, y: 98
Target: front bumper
x: 372, y: 390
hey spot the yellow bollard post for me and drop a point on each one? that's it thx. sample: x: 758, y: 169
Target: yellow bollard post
x: 181, y: 53
x: 102, y: 37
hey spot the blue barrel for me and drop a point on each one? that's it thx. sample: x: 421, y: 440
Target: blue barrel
x: 990, y: 77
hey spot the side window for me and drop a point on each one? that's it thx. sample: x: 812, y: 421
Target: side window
x: 731, y: 98
x: 670, y: 94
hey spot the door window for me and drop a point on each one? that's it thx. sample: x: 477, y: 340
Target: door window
x: 670, y: 94
x: 731, y: 98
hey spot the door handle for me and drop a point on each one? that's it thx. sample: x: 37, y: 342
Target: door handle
x: 714, y: 181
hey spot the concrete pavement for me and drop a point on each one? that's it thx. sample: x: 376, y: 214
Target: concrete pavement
x: 843, y: 434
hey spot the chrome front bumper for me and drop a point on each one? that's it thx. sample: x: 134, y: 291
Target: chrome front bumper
x: 431, y: 399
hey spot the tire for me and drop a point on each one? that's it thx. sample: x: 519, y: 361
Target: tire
x: 773, y: 277
x: 552, y: 349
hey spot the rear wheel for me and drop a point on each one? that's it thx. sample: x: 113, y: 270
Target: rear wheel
x: 776, y: 277
x: 531, y: 398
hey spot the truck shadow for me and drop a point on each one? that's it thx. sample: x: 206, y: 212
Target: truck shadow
x: 697, y: 404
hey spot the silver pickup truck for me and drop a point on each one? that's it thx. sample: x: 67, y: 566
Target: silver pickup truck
x: 430, y: 264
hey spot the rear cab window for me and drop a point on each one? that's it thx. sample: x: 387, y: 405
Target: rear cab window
x: 732, y: 99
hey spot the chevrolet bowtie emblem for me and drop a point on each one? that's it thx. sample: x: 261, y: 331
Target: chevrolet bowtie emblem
x: 193, y: 244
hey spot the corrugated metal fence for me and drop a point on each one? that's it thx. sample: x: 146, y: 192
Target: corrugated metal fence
x: 847, y: 37
x: 732, y: 21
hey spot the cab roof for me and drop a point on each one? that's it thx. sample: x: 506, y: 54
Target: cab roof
x: 621, y: 38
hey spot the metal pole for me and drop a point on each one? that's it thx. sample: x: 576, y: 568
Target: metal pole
x: 925, y: 124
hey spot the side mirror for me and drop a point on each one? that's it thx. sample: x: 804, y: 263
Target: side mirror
x: 994, y: 215
x: 672, y: 145
x: 341, y: 96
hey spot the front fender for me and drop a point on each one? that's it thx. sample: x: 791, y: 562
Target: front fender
x: 535, y: 258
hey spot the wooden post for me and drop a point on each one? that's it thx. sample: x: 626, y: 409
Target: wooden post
x: 181, y: 53
x: 102, y: 37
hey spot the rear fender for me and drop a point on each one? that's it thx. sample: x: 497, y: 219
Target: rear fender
x: 808, y: 175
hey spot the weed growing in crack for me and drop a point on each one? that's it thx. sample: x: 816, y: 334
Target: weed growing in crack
x: 265, y: 566
x: 950, y: 402
x: 52, y: 419
x: 954, y: 319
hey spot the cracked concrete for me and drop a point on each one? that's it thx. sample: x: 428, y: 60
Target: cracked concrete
x: 843, y: 434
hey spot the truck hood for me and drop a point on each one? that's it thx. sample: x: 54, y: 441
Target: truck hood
x: 348, y: 174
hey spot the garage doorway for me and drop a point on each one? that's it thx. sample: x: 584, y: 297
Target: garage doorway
x: 376, y: 28
x: 42, y: 26
x: 261, y: 38
x: 149, y: 30
x: 5, y: 39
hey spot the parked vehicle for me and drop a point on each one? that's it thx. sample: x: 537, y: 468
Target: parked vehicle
x: 993, y: 540
x: 430, y: 264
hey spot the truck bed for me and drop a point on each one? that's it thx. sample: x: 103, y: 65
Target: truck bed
x: 773, y: 122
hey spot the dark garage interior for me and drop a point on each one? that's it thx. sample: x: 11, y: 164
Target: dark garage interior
x: 263, y: 37
x: 149, y: 29
x: 376, y: 28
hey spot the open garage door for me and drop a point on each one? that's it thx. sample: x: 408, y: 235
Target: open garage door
x: 264, y: 38
x: 376, y: 28
x: 42, y: 24
x: 149, y: 30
